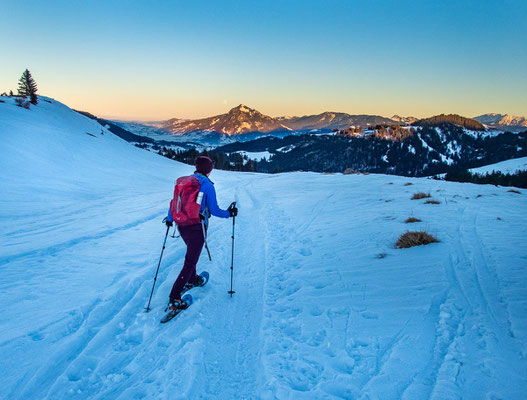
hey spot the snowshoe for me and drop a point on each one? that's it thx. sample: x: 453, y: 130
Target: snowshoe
x: 201, y: 280
x: 175, y: 308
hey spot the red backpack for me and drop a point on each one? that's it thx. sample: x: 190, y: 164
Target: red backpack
x: 186, y: 204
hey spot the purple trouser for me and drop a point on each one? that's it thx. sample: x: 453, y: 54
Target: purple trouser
x: 192, y: 235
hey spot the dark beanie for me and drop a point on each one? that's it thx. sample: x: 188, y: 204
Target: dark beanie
x: 204, y: 165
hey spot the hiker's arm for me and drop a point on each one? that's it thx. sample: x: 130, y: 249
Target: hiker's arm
x: 212, y: 205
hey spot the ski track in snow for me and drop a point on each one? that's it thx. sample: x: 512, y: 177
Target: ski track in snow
x: 285, y: 333
x: 325, y: 307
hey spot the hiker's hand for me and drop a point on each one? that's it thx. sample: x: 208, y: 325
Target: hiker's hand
x: 233, y: 211
x: 168, y: 223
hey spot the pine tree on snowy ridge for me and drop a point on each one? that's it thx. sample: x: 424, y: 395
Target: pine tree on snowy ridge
x: 27, y: 87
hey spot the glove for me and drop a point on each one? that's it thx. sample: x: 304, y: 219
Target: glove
x: 168, y: 223
x: 233, y: 211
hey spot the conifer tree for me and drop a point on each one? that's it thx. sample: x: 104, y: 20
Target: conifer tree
x: 27, y: 87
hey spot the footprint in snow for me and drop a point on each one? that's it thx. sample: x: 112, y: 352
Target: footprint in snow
x: 36, y: 336
x: 305, y: 252
x: 344, y: 366
x: 369, y: 315
x: 316, y: 311
x: 317, y: 338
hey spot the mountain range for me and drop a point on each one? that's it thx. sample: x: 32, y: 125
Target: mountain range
x: 425, y: 150
x: 242, y: 119
x: 503, y: 121
x: 332, y: 121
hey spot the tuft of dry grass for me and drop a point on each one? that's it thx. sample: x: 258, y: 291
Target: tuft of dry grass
x: 412, y: 220
x: 350, y: 171
x: 408, y: 184
x: 420, y: 195
x: 432, y: 202
x: 514, y: 191
x: 417, y: 238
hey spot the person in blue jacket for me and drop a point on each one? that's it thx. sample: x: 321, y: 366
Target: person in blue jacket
x: 194, y: 235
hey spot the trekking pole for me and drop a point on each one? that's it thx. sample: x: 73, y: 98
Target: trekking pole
x: 232, y: 255
x: 158, y: 264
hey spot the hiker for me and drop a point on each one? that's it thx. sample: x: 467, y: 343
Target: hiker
x: 194, y: 231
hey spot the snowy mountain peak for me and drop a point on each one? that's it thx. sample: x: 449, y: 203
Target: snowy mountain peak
x: 241, y: 108
x: 503, y: 121
x: 238, y: 120
x: 404, y: 120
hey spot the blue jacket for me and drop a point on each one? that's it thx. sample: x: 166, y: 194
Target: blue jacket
x: 209, y: 204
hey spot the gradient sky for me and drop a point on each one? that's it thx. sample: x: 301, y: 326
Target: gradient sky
x: 152, y: 60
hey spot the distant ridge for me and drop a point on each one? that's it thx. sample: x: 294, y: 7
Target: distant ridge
x: 332, y: 120
x: 453, y: 119
x: 242, y: 119
x: 503, y: 121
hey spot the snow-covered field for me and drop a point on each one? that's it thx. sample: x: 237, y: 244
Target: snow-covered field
x: 325, y: 306
x: 506, y: 167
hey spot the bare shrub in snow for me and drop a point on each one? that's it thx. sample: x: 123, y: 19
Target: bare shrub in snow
x: 411, y: 239
x: 411, y: 220
x: 420, y: 195
x: 432, y: 202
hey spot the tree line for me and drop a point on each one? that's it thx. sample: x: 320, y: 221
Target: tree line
x: 453, y: 119
x: 517, y: 179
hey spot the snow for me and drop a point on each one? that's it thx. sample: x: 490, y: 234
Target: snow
x: 325, y: 306
x: 243, y: 126
x: 255, y: 155
x: 444, y: 158
x: 506, y: 167
x: 453, y: 148
x: 286, y: 149
x: 489, y: 132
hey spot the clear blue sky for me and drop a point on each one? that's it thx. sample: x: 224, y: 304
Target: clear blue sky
x: 160, y: 59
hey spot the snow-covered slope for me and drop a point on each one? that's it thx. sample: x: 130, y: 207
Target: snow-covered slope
x: 325, y: 306
x: 506, y: 167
